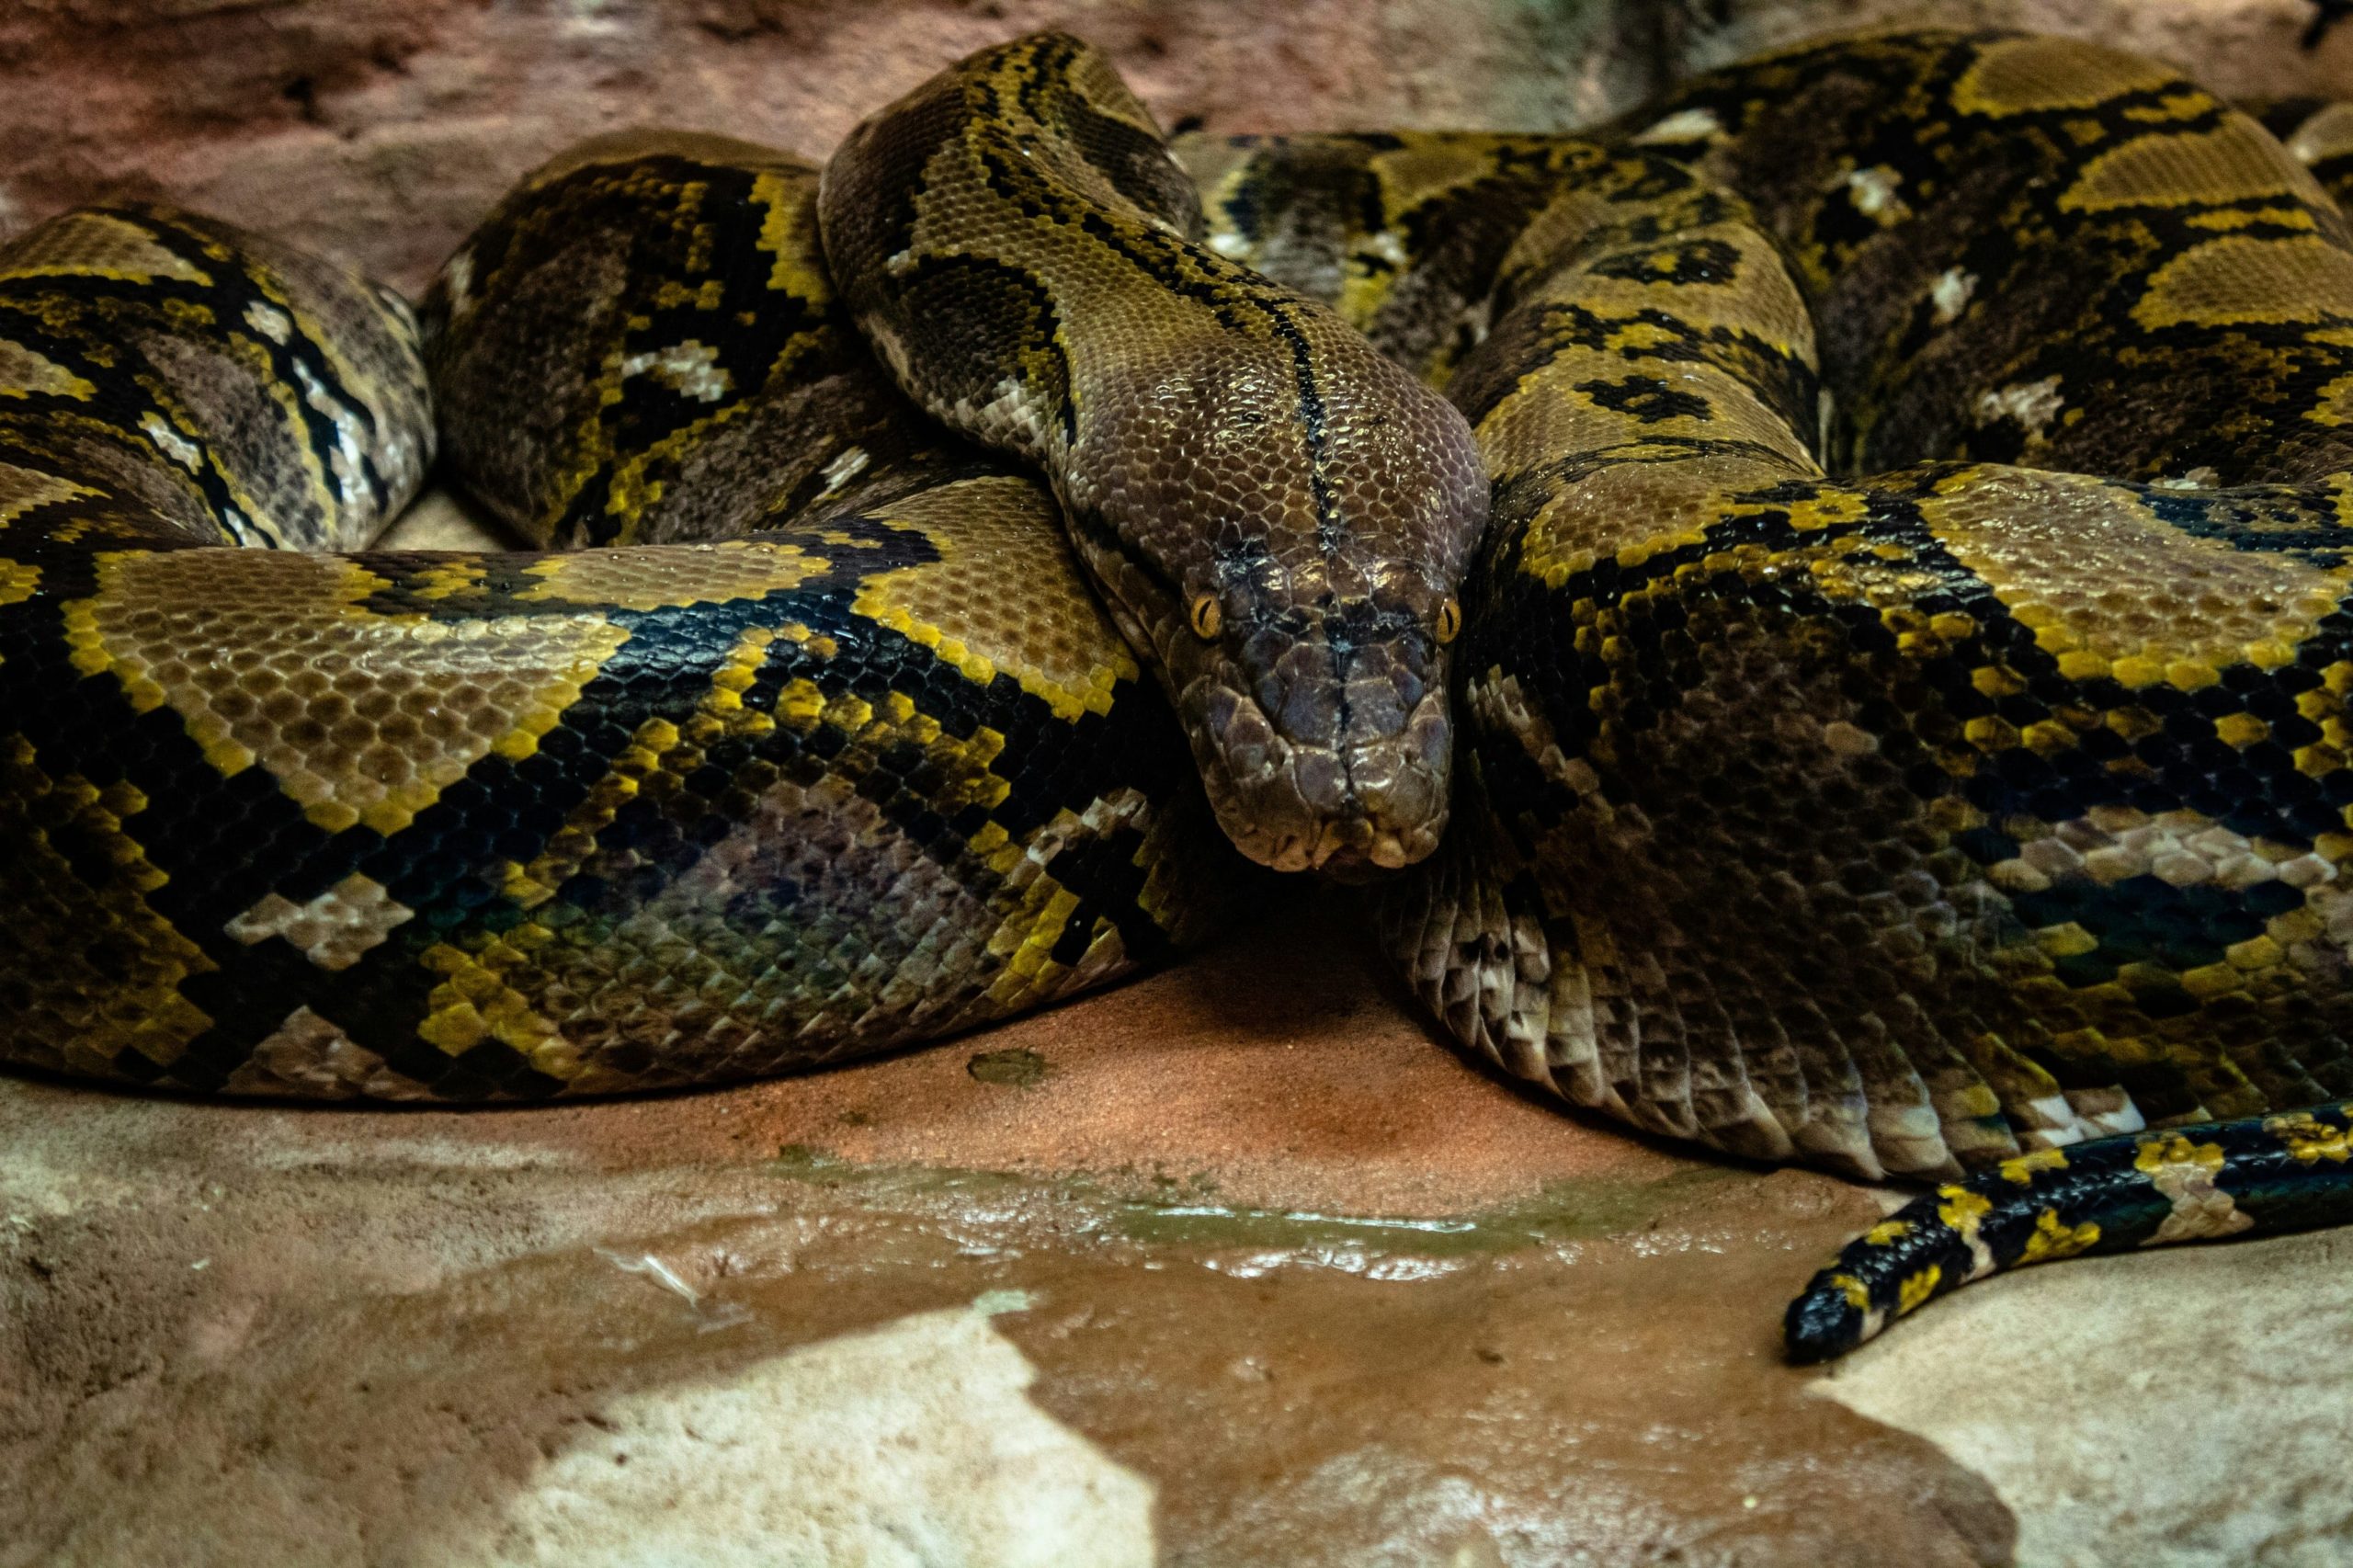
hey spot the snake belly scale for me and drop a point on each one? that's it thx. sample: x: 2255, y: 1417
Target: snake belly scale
x: 1822, y: 604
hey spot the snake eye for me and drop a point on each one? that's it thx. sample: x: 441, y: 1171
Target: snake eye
x: 1450, y: 621
x: 1206, y: 617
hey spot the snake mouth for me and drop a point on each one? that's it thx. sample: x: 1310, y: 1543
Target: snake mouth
x: 1353, y: 811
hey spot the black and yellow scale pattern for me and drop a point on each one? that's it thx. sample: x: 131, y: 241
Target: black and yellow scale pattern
x: 793, y: 769
x: 1897, y: 703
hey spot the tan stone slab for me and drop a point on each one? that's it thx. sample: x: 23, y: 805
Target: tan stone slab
x: 2190, y: 1409
x: 441, y: 519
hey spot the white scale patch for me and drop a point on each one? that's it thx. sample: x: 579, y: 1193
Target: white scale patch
x: 399, y: 459
x: 2077, y: 1115
x: 349, y: 462
x: 332, y: 930
x: 1950, y: 295
x: 240, y: 527
x: 690, y: 368
x: 2201, y: 1210
x: 1012, y: 410
x: 308, y: 1056
x: 1683, y: 125
x: 2183, y: 848
x: 403, y: 315
x: 2055, y: 1122
x: 847, y: 464
x: 1478, y: 319
x: 173, y: 445
x: 1872, y: 191
x: 2201, y: 478
x: 269, y: 320
x: 2032, y: 403
x: 457, y: 281
x: 2114, y: 1123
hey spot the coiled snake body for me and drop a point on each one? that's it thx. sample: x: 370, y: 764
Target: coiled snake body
x: 1894, y: 597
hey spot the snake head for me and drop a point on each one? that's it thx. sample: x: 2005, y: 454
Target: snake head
x: 1285, y: 542
x: 1322, y: 729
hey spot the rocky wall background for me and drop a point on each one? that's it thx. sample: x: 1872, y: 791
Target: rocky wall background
x: 381, y: 129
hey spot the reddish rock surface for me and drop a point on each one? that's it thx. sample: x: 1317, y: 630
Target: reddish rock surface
x: 382, y: 130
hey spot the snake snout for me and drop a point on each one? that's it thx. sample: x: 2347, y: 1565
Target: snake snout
x: 1331, y: 759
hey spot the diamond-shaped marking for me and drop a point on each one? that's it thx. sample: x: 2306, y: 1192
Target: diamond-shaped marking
x: 332, y: 930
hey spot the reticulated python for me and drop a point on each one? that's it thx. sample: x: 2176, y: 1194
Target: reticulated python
x: 1873, y: 591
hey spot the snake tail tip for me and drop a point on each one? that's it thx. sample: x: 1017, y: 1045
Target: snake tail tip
x: 1823, y: 1324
